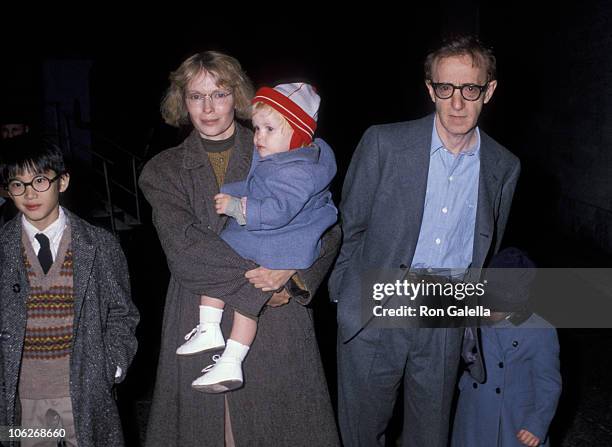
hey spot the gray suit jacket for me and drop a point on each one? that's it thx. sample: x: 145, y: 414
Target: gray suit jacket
x: 390, y: 167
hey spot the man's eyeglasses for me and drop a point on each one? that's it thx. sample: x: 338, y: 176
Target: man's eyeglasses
x: 470, y: 92
x: 40, y: 183
x: 217, y: 97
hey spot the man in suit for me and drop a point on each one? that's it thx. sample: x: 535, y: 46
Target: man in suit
x: 429, y: 193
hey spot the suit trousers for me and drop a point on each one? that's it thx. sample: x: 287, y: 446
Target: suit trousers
x: 371, y: 368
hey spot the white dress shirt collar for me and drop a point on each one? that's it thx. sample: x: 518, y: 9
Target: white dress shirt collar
x: 54, y: 232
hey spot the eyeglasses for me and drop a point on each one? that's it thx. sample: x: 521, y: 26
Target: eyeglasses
x: 40, y: 183
x: 470, y: 92
x: 217, y: 98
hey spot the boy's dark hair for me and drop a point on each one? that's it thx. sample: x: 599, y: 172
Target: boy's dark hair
x: 29, y: 152
x: 463, y: 45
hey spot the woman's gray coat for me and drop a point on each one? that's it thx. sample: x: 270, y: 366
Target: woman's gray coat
x: 285, y: 400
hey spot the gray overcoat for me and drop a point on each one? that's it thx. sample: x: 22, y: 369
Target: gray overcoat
x: 105, y: 320
x: 285, y: 400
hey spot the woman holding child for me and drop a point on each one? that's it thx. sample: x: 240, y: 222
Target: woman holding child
x: 284, y: 400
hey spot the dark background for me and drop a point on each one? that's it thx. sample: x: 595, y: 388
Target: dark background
x: 552, y: 108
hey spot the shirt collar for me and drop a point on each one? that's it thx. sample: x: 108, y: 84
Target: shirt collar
x: 436, y: 142
x: 54, y: 231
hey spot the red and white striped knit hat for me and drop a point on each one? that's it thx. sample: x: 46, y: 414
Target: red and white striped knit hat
x: 299, y: 104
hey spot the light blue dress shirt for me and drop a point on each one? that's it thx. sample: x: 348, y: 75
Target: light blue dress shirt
x: 446, y: 239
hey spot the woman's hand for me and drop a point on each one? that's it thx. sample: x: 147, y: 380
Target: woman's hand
x: 268, y: 280
x: 279, y: 299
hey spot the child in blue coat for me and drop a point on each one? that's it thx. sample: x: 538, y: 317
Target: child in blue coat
x: 516, y: 403
x: 279, y: 215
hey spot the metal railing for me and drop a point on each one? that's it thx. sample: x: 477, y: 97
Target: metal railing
x: 104, y: 165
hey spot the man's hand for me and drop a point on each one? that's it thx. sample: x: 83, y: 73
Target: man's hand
x: 221, y: 202
x: 268, y: 280
x: 527, y: 438
x: 279, y: 299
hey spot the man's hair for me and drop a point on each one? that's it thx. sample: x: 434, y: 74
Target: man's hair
x: 228, y: 74
x: 259, y: 107
x: 465, y: 45
x: 30, y: 152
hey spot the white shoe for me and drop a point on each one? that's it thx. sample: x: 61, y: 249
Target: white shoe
x: 224, y: 375
x: 204, y: 337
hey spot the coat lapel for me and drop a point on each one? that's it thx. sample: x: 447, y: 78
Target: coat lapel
x: 239, y: 164
x: 203, y: 176
x: 240, y: 160
x: 16, y: 289
x: 13, y: 250
x: 84, y: 252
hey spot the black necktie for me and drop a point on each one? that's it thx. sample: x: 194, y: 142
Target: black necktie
x: 44, y: 254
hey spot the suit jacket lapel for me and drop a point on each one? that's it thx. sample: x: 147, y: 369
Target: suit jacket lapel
x: 413, y: 167
x: 83, y: 252
x: 488, y: 188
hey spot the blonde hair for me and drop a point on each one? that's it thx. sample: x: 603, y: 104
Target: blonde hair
x: 262, y: 107
x: 228, y: 74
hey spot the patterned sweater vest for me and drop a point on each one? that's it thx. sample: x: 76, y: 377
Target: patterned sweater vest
x: 45, y: 368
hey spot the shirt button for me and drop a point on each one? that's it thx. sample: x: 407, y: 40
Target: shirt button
x: 16, y: 288
x: 475, y: 385
x: 445, y: 210
x: 500, y: 364
x: 438, y: 241
x: 515, y: 343
x: 498, y: 390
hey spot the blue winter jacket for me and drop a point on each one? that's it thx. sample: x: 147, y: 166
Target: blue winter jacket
x: 289, y: 207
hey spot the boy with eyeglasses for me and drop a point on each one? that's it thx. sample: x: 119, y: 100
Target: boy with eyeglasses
x: 67, y: 323
x: 279, y: 215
